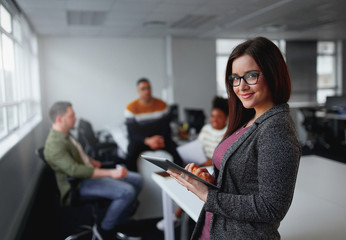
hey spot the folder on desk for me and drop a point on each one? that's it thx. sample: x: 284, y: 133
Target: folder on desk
x: 192, y: 152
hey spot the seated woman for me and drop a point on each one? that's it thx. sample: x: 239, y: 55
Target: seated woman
x: 212, y: 133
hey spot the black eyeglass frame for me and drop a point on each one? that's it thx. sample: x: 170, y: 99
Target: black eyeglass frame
x: 231, y: 79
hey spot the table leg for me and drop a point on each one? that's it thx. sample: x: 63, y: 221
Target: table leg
x: 184, y: 226
x: 167, y: 216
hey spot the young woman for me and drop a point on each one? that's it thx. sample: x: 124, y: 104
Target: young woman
x: 256, y: 164
x: 210, y: 136
x: 212, y: 133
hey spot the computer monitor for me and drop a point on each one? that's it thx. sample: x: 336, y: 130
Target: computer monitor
x: 195, y: 118
x: 335, y: 103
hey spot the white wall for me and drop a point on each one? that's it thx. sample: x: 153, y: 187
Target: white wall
x: 98, y: 75
x: 301, y: 57
x: 194, y: 73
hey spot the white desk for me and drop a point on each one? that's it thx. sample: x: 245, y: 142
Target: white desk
x: 335, y: 118
x: 171, y: 190
x: 318, y: 210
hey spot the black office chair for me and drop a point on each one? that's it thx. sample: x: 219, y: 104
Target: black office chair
x: 195, y: 118
x: 104, y: 151
x: 92, y: 204
x: 174, y: 113
x: 317, y: 129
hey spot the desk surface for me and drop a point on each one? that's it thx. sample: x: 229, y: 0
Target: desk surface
x: 188, y: 201
x: 335, y: 116
x: 318, y: 209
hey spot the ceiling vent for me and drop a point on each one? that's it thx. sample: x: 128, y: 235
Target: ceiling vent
x: 193, y: 21
x: 310, y: 25
x: 85, y: 18
x: 155, y: 24
x: 272, y: 28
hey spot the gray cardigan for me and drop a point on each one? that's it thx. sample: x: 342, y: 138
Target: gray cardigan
x: 256, y: 180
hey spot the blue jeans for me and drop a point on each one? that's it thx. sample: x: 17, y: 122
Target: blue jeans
x: 122, y: 193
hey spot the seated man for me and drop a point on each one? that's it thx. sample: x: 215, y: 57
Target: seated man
x: 147, y: 122
x: 65, y: 155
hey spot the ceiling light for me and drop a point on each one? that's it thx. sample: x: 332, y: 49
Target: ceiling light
x: 272, y: 28
x: 154, y: 24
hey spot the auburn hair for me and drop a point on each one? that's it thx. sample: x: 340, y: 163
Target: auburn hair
x: 273, y: 66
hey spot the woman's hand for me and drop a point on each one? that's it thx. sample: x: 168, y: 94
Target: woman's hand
x: 198, y: 188
x: 200, y: 172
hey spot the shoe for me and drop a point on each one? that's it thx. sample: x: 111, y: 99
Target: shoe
x: 106, y: 235
x: 123, y: 236
x: 161, y: 224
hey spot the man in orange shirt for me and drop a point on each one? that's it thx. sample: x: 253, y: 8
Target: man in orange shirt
x: 147, y: 121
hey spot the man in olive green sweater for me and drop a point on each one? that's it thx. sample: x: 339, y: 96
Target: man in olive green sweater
x: 65, y: 155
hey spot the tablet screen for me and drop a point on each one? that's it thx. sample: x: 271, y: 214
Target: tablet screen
x: 168, y: 165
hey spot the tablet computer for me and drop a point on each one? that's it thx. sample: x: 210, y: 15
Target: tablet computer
x: 168, y: 165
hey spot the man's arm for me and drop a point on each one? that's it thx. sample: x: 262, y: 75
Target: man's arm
x: 133, y: 130
x: 155, y: 142
x: 165, y: 127
x: 112, y: 173
x: 95, y: 163
x: 60, y: 160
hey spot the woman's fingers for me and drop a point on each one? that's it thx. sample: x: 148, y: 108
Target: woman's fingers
x: 183, y: 180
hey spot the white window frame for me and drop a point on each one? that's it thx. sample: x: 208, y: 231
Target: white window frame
x: 25, y: 80
x: 328, y: 91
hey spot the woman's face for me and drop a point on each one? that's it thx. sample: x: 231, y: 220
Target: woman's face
x: 256, y: 96
x: 218, y: 119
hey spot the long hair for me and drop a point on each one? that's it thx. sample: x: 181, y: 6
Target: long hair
x: 272, y: 64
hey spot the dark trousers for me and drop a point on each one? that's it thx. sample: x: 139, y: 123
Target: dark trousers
x: 135, y: 148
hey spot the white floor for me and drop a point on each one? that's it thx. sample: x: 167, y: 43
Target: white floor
x: 318, y: 210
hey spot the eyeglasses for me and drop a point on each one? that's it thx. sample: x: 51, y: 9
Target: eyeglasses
x: 250, y: 78
x: 145, y: 88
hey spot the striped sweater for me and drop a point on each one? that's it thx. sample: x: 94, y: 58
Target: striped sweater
x: 210, y: 137
x: 146, y: 121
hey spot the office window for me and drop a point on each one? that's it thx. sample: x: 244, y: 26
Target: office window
x: 5, y: 19
x: 20, y: 107
x: 326, y: 70
x: 224, y: 47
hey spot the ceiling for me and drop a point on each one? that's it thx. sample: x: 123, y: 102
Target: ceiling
x: 275, y: 19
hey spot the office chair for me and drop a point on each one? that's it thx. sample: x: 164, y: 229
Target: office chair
x: 174, y: 113
x: 195, y: 118
x: 103, y: 151
x: 76, y: 201
x: 317, y: 130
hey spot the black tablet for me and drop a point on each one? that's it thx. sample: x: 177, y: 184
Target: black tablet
x: 168, y: 165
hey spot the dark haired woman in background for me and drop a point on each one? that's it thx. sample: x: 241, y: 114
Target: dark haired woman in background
x: 212, y: 133
x: 256, y: 164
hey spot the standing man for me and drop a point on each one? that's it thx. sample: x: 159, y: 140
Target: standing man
x: 147, y: 121
x: 65, y: 155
